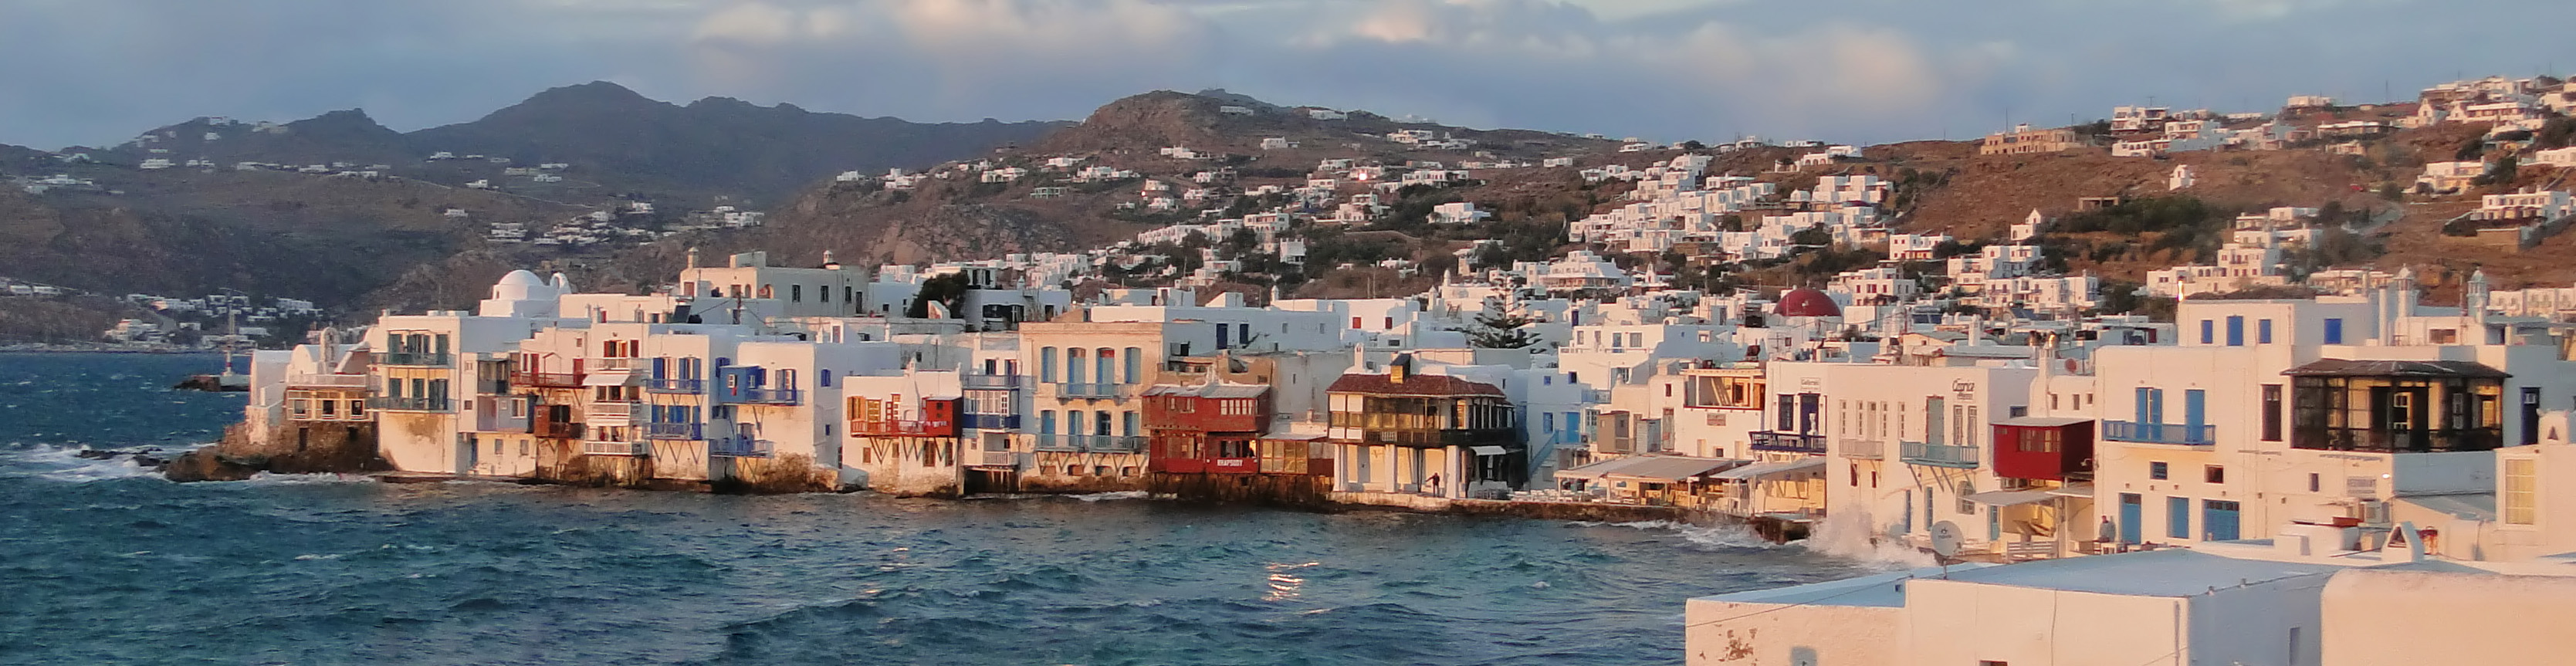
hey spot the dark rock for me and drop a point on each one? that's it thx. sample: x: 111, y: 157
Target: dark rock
x: 203, y: 465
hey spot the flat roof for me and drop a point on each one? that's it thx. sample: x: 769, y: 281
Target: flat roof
x: 2174, y: 572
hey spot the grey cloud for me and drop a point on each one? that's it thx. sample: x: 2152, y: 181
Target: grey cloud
x: 1863, y: 70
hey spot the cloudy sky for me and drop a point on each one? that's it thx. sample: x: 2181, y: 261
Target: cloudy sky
x: 100, y: 71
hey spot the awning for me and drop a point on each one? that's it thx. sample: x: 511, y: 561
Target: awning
x: 1769, y: 469
x: 619, y: 378
x: 2012, y: 497
x: 2082, y: 490
x: 1652, y: 469
x: 1489, y: 450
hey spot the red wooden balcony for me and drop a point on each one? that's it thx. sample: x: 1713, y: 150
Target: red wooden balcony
x: 2044, y: 448
x: 920, y: 428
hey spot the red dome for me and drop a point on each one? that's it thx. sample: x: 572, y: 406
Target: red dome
x: 1804, y: 302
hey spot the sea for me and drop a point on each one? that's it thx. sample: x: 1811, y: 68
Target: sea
x: 103, y: 562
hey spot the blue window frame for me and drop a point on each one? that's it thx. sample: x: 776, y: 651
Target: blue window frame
x: 2334, y: 330
x: 2208, y: 329
x: 2235, y: 331
x: 2263, y: 332
x: 2159, y: 471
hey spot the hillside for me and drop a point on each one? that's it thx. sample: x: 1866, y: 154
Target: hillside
x: 715, y: 145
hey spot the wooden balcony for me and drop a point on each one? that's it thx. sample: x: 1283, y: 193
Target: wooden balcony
x: 545, y: 379
x: 898, y: 428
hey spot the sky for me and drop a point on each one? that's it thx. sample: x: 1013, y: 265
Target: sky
x: 95, y: 72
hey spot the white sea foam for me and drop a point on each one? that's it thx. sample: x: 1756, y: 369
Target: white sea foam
x: 1849, y: 535
x: 1120, y: 495
x: 1711, y: 536
x: 61, y: 463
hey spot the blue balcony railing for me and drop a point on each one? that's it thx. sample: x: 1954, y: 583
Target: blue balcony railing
x: 768, y: 396
x: 2160, y: 433
x: 427, y: 359
x: 1111, y: 391
x: 682, y: 431
x: 990, y: 382
x: 1788, y: 442
x: 412, y: 404
x: 1091, y: 443
x: 993, y: 421
x: 739, y: 446
x: 660, y: 385
x: 1962, y: 456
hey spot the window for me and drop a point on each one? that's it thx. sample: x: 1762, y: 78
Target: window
x: 2207, y: 330
x: 1135, y: 364
x: 2334, y: 330
x: 2271, y: 412
x: 2235, y: 331
x: 2521, y: 491
x: 2213, y: 474
x: 795, y: 293
x: 824, y: 380
x: 2157, y: 470
x: 2263, y: 332
x: 1046, y: 364
x: 1966, y: 506
x: 2178, y: 517
x: 2312, y: 482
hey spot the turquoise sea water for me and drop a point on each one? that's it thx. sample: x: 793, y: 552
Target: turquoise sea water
x: 102, y: 563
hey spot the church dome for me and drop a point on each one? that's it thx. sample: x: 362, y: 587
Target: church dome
x: 1805, y: 302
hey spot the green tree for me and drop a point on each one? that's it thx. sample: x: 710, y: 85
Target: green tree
x: 1502, y: 331
x: 949, y: 290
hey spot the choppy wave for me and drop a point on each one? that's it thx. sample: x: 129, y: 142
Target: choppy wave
x: 64, y: 464
x: 1104, y: 497
x: 1711, y: 536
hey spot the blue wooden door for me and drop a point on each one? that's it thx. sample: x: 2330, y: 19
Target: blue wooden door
x: 2178, y: 517
x: 2133, y: 510
x: 2218, y: 520
x: 2195, y: 408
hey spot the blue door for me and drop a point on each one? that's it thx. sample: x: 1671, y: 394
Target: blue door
x: 2218, y: 519
x: 2178, y: 517
x: 1905, y: 519
x: 2195, y: 408
x: 2133, y: 509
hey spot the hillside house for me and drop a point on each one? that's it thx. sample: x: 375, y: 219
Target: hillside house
x: 2024, y: 140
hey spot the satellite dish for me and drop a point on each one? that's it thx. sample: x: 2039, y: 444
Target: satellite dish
x: 1945, y: 539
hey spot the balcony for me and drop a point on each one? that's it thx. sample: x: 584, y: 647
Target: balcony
x: 993, y: 382
x: 1865, y: 449
x: 1099, y: 391
x: 1960, y: 456
x: 678, y: 431
x: 1091, y: 443
x: 555, y: 429
x: 993, y: 421
x: 616, y: 449
x: 1788, y: 442
x: 2396, y: 441
x: 418, y: 359
x: 415, y: 404
x: 2160, y: 433
x: 739, y: 446
x: 767, y: 396
x: 621, y: 363
x: 901, y: 428
x: 679, y: 386
x: 326, y: 381
x: 546, y: 379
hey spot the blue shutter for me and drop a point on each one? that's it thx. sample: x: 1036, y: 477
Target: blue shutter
x: 2263, y: 333
x: 2206, y: 327
x: 2334, y: 331
x: 2235, y: 331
